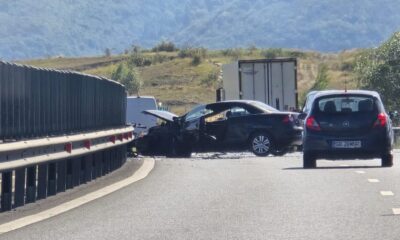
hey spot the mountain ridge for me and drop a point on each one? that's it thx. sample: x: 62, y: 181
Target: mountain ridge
x: 43, y: 28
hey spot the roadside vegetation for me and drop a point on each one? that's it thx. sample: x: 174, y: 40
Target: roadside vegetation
x: 379, y: 69
x: 182, y: 78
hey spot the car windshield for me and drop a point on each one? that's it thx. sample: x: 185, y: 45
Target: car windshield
x: 309, y: 101
x: 197, y: 112
x: 264, y: 107
x: 345, y: 104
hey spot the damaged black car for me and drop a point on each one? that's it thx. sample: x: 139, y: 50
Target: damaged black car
x: 228, y: 126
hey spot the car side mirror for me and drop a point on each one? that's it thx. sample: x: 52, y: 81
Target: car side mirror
x: 302, y: 116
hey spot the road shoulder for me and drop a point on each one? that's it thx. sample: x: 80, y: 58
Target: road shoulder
x: 134, y: 170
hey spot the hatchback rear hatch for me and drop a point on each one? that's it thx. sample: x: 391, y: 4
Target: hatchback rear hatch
x: 346, y: 114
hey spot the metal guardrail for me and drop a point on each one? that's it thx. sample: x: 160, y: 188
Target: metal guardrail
x: 58, y: 129
x: 59, y: 164
x: 37, y: 102
x: 396, y: 131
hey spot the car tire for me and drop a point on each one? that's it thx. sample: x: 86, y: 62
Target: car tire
x: 179, y: 150
x: 279, y: 153
x: 261, y: 144
x: 387, y: 160
x: 309, y: 160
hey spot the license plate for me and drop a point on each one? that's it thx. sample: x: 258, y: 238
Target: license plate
x: 346, y: 144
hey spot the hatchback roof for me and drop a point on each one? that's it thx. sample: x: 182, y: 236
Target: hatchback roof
x: 338, y: 92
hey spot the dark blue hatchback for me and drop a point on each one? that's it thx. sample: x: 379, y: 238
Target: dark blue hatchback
x: 347, y: 125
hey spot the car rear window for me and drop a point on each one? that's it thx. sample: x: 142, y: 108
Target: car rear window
x: 345, y: 104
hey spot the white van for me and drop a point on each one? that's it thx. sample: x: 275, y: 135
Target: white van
x: 135, y: 105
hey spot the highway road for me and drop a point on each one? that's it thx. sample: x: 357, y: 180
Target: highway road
x: 247, y: 198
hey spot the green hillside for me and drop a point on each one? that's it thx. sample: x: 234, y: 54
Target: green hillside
x: 179, y: 84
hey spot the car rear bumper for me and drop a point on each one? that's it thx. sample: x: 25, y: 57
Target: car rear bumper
x: 372, y: 145
x: 291, y: 138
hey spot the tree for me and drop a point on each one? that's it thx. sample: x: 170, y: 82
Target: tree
x: 166, y: 46
x: 128, y: 76
x: 379, y: 69
x: 322, y: 80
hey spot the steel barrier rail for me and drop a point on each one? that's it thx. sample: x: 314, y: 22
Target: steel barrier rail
x: 33, y: 143
x: 396, y: 131
x: 31, y: 171
x: 24, y: 154
x: 58, y: 129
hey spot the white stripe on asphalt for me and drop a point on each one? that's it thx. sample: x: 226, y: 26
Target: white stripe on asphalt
x: 387, y: 193
x: 373, y: 180
x: 396, y: 211
x: 344, y: 165
x: 142, y: 172
x: 360, y: 172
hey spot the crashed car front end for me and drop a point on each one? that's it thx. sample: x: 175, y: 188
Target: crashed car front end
x: 160, y: 139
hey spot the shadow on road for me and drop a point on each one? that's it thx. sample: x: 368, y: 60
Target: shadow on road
x: 332, y: 167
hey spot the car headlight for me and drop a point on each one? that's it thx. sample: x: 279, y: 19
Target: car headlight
x: 142, y: 134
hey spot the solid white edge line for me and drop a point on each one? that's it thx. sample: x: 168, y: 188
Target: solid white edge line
x: 373, y: 180
x: 142, y: 172
x: 387, y: 193
x: 396, y: 211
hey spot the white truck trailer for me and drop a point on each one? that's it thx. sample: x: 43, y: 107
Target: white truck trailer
x: 272, y: 81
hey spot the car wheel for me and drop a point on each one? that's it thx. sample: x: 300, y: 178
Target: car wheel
x: 280, y: 152
x: 309, y: 160
x: 261, y: 144
x: 179, y: 150
x: 183, y: 153
x: 387, y: 160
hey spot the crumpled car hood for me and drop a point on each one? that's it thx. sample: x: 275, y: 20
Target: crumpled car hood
x: 164, y: 115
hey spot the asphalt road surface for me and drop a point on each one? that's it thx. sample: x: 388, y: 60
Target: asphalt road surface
x: 224, y: 197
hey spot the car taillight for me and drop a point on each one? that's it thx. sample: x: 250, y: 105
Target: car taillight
x: 381, y: 121
x: 312, y: 124
x: 287, y: 119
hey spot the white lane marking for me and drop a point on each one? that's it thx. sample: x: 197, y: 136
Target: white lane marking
x: 396, y: 211
x: 387, y: 193
x: 360, y: 172
x: 142, y: 172
x: 344, y: 165
x: 373, y: 180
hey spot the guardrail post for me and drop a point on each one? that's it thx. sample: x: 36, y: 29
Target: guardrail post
x: 61, y: 175
x: 106, y: 159
x: 70, y: 182
x: 6, y: 189
x: 89, y: 168
x: 42, y: 181
x: 31, y: 185
x: 76, y: 170
x: 98, y: 160
x: 52, y: 180
x: 103, y: 163
x: 82, y: 173
x: 93, y: 158
x: 19, y: 197
x: 112, y: 159
x: 124, y: 156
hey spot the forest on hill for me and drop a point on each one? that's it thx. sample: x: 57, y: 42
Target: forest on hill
x: 44, y: 28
